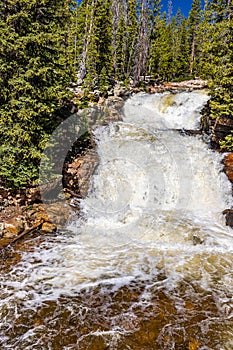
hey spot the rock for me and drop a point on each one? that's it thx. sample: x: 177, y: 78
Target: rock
x: 229, y: 174
x: 54, y: 213
x: 4, y: 193
x: 33, y: 195
x: 48, y: 227
x: 229, y: 217
x: 228, y: 160
x: 187, y: 85
x: 114, y: 102
x: 2, y: 228
x: 13, y: 227
x: 58, y: 213
x: 228, y: 166
x: 119, y: 91
x: 101, y: 101
x: 78, y: 174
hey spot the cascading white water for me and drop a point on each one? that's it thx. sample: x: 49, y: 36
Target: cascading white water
x: 155, y: 205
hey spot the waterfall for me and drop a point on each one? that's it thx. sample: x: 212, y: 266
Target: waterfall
x: 152, y: 223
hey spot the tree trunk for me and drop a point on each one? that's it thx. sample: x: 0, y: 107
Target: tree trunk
x: 192, y: 55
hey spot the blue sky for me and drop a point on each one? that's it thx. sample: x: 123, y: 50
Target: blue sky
x: 184, y: 5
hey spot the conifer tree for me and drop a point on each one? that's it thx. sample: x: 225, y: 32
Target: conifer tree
x: 182, y: 53
x: 149, y: 9
x: 217, y: 59
x: 159, y: 47
x: 132, y: 35
x: 94, y: 28
x: 120, y: 52
x: 194, y: 22
x: 34, y: 77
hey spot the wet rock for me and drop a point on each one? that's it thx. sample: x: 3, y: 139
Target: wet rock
x: 228, y: 166
x: 197, y: 239
x: 115, y: 102
x: 2, y: 228
x: 33, y: 195
x: 13, y: 227
x: 48, y: 227
x: 56, y: 214
x: 229, y: 217
x: 79, y: 172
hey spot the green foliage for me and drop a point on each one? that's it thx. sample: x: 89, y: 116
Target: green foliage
x: 103, y: 81
x: 217, y: 65
x: 94, y: 40
x: 34, y: 76
x: 227, y: 143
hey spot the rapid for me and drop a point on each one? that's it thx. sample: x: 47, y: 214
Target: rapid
x: 148, y: 262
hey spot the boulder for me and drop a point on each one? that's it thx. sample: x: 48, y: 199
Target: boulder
x: 13, y: 227
x: 114, y: 102
x: 228, y: 166
x: 48, y: 227
x: 56, y: 214
x: 229, y: 217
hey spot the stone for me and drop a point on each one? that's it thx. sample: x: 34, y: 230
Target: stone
x: 4, y: 192
x: 229, y: 217
x: 228, y: 160
x: 114, y: 102
x: 33, y: 195
x: 228, y: 166
x: 48, y: 227
x: 2, y: 228
x: 13, y: 227
x: 229, y: 174
x: 58, y: 213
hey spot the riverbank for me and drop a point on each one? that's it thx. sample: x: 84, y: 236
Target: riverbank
x: 23, y: 212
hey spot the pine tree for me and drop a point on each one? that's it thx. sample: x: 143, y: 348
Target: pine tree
x: 120, y: 52
x: 149, y: 9
x: 182, y: 53
x: 132, y: 35
x: 94, y: 43
x: 194, y: 22
x: 217, y: 60
x: 34, y: 76
x: 125, y: 35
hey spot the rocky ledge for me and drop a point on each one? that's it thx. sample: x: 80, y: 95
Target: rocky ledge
x: 187, y: 85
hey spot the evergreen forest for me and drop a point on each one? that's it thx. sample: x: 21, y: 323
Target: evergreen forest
x: 48, y: 45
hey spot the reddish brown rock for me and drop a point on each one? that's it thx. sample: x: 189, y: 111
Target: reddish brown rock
x: 228, y: 166
x: 228, y: 160
x: 79, y: 172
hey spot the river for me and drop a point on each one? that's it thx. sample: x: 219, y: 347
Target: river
x: 148, y: 264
